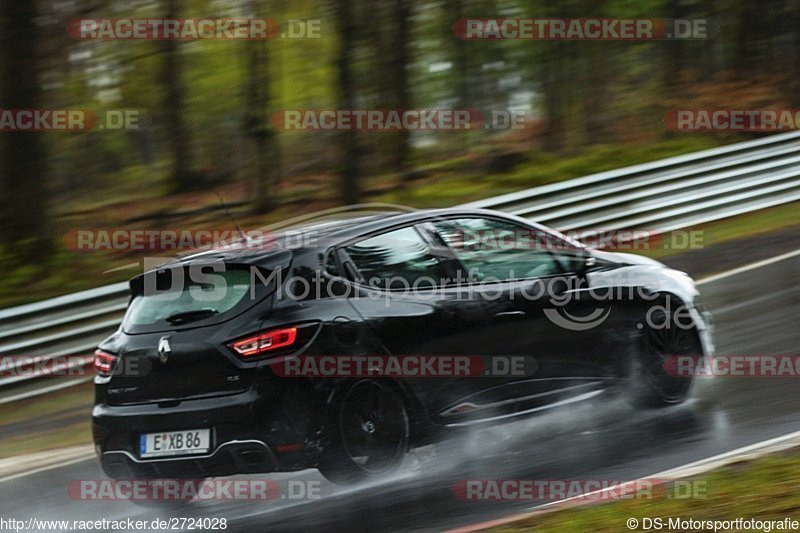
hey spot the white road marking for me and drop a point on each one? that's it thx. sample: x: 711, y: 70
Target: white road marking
x: 46, y: 468
x: 745, y: 268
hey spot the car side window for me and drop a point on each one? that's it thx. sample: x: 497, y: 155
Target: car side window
x: 497, y: 250
x: 397, y: 259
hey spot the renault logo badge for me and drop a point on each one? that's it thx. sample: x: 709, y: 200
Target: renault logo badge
x: 164, y: 349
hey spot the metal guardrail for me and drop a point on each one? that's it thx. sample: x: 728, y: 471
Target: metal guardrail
x: 660, y: 196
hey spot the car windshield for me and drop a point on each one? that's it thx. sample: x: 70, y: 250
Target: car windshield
x: 190, y: 300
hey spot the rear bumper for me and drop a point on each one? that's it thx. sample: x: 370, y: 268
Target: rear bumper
x: 248, y: 435
x: 227, y: 459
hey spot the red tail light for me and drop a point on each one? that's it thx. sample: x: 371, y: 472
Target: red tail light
x: 104, y: 361
x: 265, y: 342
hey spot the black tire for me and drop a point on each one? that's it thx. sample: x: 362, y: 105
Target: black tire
x: 652, y: 383
x: 369, y: 435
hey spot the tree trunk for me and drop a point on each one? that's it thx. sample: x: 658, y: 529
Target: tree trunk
x: 177, y: 135
x: 454, y: 10
x: 793, y: 55
x: 554, y: 86
x: 399, y: 75
x: 264, y: 140
x: 596, y: 82
x: 350, y: 168
x: 674, y: 50
x: 24, y: 187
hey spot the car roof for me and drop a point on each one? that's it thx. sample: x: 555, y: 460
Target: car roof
x: 331, y: 232
x: 322, y: 234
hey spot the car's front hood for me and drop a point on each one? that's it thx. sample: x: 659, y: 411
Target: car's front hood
x: 625, y: 259
x: 637, y: 270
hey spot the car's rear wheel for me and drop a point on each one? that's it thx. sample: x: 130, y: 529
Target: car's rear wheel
x: 369, y: 433
x: 662, y: 337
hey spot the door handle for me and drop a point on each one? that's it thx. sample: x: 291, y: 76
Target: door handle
x: 510, y: 314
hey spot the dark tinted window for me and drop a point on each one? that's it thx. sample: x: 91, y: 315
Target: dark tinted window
x: 494, y: 249
x: 395, y: 260
x: 186, y: 299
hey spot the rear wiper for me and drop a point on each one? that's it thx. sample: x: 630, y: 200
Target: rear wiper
x: 188, y: 316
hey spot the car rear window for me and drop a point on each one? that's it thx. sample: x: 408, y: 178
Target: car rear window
x: 178, y: 302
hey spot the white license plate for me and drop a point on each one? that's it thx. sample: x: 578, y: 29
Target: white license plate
x: 189, y: 442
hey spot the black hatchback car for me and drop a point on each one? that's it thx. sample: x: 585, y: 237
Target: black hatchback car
x: 197, y: 380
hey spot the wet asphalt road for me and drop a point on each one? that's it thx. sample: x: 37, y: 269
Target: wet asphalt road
x: 755, y: 312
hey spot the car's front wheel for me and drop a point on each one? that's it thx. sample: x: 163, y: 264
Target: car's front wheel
x: 661, y: 337
x: 369, y: 433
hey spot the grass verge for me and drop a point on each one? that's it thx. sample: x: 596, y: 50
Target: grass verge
x: 59, y: 419
x: 74, y: 434
x: 764, y: 489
